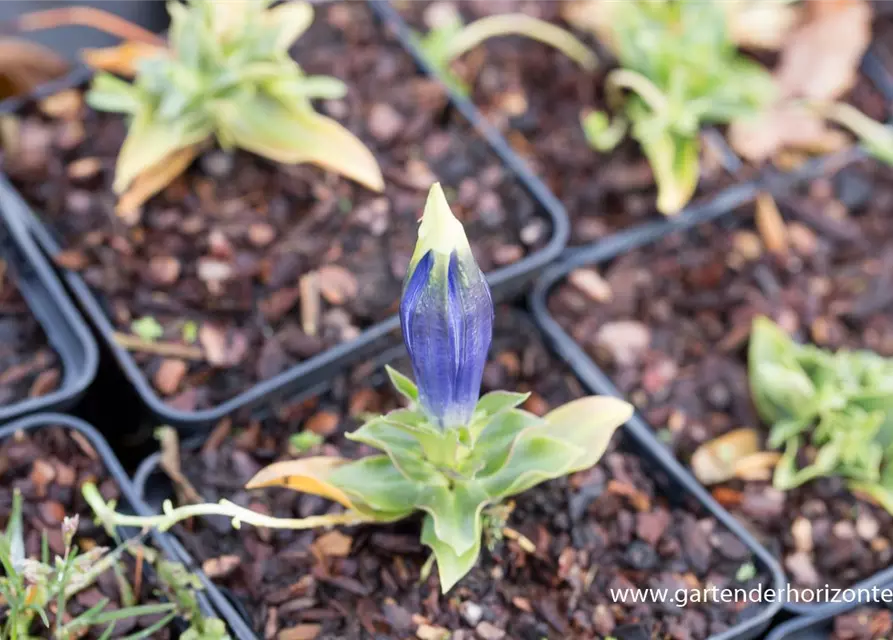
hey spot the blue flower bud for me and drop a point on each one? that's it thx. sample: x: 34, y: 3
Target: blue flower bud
x: 447, y: 316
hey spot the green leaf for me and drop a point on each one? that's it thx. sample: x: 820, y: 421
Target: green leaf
x: 588, y: 423
x: 533, y: 459
x: 496, y: 402
x: 294, y: 134
x: 404, y: 386
x: 601, y: 132
x: 288, y: 21
x: 147, y: 328
x: 402, y: 447
x: 779, y: 386
x: 376, y: 486
x: 456, y: 513
x: 109, y: 93
x: 304, y: 440
x: 451, y: 567
x: 150, y: 141
x: 674, y: 161
x: 494, y: 445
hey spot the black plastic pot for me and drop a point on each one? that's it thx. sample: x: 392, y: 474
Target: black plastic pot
x: 871, y: 65
x: 505, y: 282
x: 599, y: 382
x: 65, y: 330
x: 67, y: 41
x: 210, y: 598
x: 154, y: 487
x: 817, y: 627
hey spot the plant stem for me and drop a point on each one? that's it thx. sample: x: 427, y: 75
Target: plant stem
x: 635, y: 81
x: 172, y: 516
x: 521, y: 24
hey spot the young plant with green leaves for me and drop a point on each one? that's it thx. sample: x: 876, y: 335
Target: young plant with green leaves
x: 227, y: 74
x: 678, y: 70
x: 450, y: 453
x: 840, y: 404
x: 36, y: 592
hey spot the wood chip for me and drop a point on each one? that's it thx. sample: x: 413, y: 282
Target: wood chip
x: 73, y: 259
x: 84, y: 168
x: 44, y: 383
x: 714, y: 461
x: 221, y: 567
x: 300, y: 632
x: 592, y: 284
x: 336, y: 284
x: 309, y: 286
x: 166, y: 349
x: 84, y: 444
x: 333, y: 544
x: 771, y: 225
x: 639, y: 500
x: 323, y: 422
x: 169, y: 375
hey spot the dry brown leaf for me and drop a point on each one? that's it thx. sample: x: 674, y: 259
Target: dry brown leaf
x: 789, y: 126
x: 714, y: 461
x: 770, y: 224
x: 122, y: 59
x: 821, y: 58
x: 154, y: 179
x: 593, y: 16
x: 333, y: 544
x: 25, y: 65
x: 300, y: 632
x: 757, y: 466
x: 760, y: 24
x: 308, y: 475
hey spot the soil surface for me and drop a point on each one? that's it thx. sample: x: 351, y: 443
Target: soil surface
x: 49, y: 466
x: 610, y: 527
x: 29, y: 367
x: 534, y: 95
x: 273, y: 264
x: 670, y: 325
x: 865, y: 623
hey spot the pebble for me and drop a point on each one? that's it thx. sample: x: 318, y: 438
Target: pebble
x: 844, y: 530
x: 164, y: 269
x: 590, y: 282
x: 52, y: 512
x: 384, y: 122
x: 867, y: 527
x: 625, y: 340
x: 641, y: 556
x: 169, y: 375
x: 650, y: 525
x: 801, y: 531
x: 471, y: 613
x: 489, y: 631
x: 260, y: 234
x: 217, y: 164
x: 802, y: 568
x: 603, y: 620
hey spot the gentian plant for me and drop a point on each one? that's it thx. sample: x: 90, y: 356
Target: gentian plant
x: 227, y: 74
x: 450, y: 453
x: 841, y: 404
x: 678, y: 69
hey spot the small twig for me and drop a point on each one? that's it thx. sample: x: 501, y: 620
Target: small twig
x: 523, y: 541
x: 138, y: 572
x: 165, y: 349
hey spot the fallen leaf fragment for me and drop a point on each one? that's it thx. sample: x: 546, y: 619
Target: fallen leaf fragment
x: 760, y: 24
x: 333, y: 544
x: 308, y: 475
x: 300, y: 632
x: 757, y: 466
x: 821, y: 58
x: 170, y: 464
x: 122, y: 59
x: 714, y: 461
x: 221, y: 567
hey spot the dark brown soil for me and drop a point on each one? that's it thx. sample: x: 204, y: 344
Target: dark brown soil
x: 29, y: 368
x: 606, y: 528
x: 865, y: 623
x: 49, y: 466
x: 534, y: 95
x: 227, y: 246
x: 673, y: 339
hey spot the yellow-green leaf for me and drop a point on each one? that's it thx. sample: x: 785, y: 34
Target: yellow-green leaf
x: 588, y: 423
x: 674, y: 161
x: 308, y: 475
x: 294, y: 135
x: 289, y: 21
